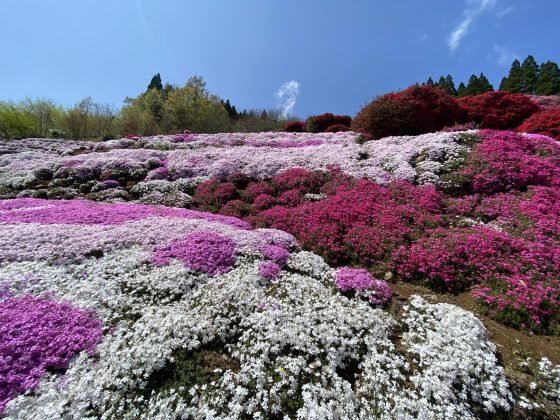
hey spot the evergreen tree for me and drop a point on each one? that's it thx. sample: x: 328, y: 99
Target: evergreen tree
x: 155, y: 83
x: 441, y: 82
x: 430, y: 82
x: 503, y: 83
x: 548, y: 82
x: 461, y: 90
x: 473, y: 86
x: 512, y: 83
x: 450, y: 85
x: 484, y: 84
x: 529, y: 75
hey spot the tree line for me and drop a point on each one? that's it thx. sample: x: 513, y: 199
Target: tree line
x: 160, y: 109
x: 527, y: 77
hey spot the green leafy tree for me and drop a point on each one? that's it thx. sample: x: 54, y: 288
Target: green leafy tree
x: 529, y: 75
x: 548, y: 82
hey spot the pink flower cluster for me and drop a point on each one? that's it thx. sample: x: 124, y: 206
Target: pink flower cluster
x: 360, y: 280
x: 38, y: 335
x: 506, y: 161
x: 206, y: 252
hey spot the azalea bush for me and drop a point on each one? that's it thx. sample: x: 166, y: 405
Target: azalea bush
x: 416, y: 110
x: 545, y: 122
x: 320, y: 123
x: 498, y: 110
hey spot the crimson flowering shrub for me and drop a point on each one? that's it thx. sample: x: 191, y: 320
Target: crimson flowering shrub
x: 38, y: 335
x: 300, y: 179
x: 364, y: 223
x: 498, y: 110
x: 255, y: 189
x: 206, y: 252
x: 545, y: 122
x: 320, y: 123
x: 294, y: 127
x: 507, y: 161
x: 335, y: 128
x: 416, y: 110
x: 212, y: 194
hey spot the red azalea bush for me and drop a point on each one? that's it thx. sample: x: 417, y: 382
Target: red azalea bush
x: 416, y: 110
x: 498, y: 110
x: 544, y: 122
x: 294, y: 127
x: 506, y: 161
x: 320, y: 123
x: 337, y: 128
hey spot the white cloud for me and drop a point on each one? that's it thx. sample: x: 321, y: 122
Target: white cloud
x: 473, y: 9
x: 424, y: 37
x: 504, y: 56
x: 505, y: 12
x: 287, y: 95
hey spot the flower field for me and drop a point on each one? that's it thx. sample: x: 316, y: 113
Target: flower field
x: 254, y: 275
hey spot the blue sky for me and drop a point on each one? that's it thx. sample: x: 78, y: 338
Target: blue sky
x: 340, y: 53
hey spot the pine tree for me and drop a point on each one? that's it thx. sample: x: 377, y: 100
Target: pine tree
x: 155, y: 83
x: 484, y: 84
x: 548, y: 82
x: 450, y: 85
x: 529, y: 75
x: 441, y: 82
x: 461, y: 90
x: 503, y: 83
x: 512, y: 83
x: 430, y: 81
x: 473, y: 86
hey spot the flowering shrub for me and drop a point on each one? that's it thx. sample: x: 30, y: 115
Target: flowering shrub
x: 187, y: 344
x: 207, y: 252
x: 545, y: 122
x: 320, y: 123
x: 498, y: 110
x: 294, y: 127
x: 546, y: 102
x: 37, y: 335
x: 416, y: 110
x: 335, y: 128
x: 507, y: 161
x: 353, y: 279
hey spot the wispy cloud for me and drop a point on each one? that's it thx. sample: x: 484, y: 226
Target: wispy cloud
x: 504, y: 56
x: 505, y: 12
x: 473, y: 9
x: 287, y: 95
x: 424, y: 37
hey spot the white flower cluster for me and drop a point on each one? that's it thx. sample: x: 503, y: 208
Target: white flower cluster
x: 259, y: 155
x: 167, y: 193
x: 299, y: 348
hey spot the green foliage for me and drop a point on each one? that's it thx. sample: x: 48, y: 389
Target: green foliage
x: 155, y: 83
x: 548, y: 82
x: 29, y: 118
x: 512, y: 83
x: 529, y: 75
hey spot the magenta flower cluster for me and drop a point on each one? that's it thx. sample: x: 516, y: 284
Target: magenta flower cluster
x: 206, y: 252
x: 359, y: 280
x: 269, y: 270
x: 39, y: 335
